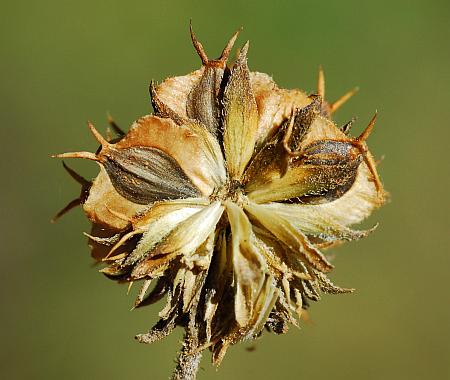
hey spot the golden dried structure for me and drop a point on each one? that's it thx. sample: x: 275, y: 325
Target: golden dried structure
x: 223, y: 201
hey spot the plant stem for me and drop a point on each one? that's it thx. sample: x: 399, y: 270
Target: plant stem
x: 187, y: 363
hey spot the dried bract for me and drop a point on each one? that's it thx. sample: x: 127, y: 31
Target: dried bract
x: 224, y: 200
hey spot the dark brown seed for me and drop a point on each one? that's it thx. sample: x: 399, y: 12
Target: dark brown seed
x: 146, y: 175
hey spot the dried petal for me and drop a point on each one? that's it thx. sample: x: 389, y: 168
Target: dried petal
x: 240, y: 118
x: 183, y: 240
x: 248, y: 264
x: 219, y: 280
x: 159, y: 221
x: 293, y: 238
x: 312, y: 220
x: 193, y: 281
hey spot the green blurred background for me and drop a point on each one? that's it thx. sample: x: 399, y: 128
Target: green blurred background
x: 64, y: 62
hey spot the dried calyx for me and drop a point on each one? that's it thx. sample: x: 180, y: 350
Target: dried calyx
x: 223, y: 199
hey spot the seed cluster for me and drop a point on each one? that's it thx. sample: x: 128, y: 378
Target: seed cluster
x: 224, y: 199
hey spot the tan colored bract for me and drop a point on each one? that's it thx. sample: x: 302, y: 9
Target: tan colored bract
x: 224, y: 197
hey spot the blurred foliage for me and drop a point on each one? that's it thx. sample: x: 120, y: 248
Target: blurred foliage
x: 64, y: 62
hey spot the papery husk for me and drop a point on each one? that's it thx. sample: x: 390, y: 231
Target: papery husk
x: 275, y: 105
x: 170, y: 98
x: 106, y: 207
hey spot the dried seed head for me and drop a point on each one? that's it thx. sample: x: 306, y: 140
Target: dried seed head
x: 224, y: 199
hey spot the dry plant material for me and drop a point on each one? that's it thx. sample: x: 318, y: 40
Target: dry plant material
x: 223, y: 200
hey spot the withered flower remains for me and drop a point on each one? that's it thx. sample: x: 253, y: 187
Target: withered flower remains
x: 223, y: 200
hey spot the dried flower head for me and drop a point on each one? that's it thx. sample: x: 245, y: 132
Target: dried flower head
x: 225, y: 197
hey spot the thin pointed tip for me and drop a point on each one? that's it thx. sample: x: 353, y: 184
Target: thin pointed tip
x: 114, y: 126
x: 368, y: 130
x: 321, y: 82
x: 101, y: 140
x: 243, y: 51
x: 85, y: 155
x: 226, y: 51
x: 343, y: 99
x: 347, y: 126
x: 72, y: 204
x: 197, y: 45
x: 130, y: 285
x: 370, y: 162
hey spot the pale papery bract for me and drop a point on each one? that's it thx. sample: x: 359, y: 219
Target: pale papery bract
x: 224, y: 199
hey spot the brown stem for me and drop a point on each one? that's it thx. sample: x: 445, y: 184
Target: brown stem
x: 188, y: 362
